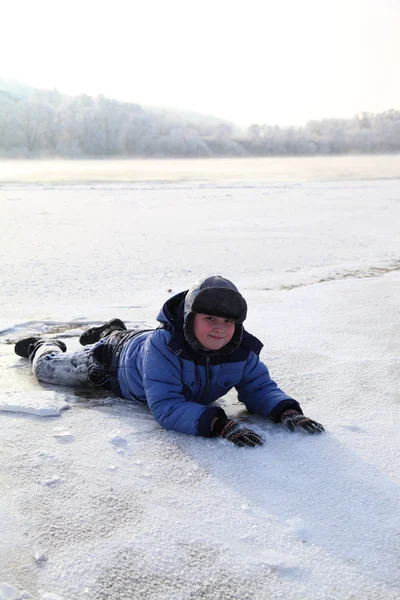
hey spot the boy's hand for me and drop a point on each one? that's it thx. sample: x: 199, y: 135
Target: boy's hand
x: 294, y: 421
x: 234, y: 432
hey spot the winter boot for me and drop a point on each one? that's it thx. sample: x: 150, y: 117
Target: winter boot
x: 94, y: 334
x: 28, y: 346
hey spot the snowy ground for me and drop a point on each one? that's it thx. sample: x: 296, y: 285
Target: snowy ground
x: 98, y: 502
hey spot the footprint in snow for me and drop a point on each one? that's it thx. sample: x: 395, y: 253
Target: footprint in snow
x: 353, y: 428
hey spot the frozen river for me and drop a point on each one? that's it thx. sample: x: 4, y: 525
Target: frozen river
x: 315, y: 250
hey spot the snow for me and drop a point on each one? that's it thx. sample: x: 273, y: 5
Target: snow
x: 99, y: 502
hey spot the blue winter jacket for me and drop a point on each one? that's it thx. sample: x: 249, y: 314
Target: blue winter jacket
x: 159, y: 368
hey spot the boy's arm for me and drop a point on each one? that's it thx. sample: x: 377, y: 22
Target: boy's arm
x: 163, y: 387
x: 261, y: 394
x: 164, y: 393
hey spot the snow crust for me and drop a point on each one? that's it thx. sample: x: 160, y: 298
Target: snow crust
x: 98, y: 502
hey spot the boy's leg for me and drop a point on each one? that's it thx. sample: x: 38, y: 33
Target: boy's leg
x: 94, y: 334
x: 78, y: 369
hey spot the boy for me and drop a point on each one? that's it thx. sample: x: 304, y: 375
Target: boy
x: 197, y: 354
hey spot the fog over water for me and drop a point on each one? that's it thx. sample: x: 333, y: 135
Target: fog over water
x: 240, y: 170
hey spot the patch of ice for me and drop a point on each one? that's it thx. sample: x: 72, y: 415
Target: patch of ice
x: 46, y: 326
x: 275, y: 559
x: 9, y: 592
x: 43, y: 404
x: 62, y: 434
x: 296, y: 524
x: 38, y: 552
x: 118, y: 440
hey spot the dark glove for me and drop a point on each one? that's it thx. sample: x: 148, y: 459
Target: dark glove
x: 293, y: 421
x: 234, y: 432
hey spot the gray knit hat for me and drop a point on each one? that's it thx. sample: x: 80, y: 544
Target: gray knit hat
x: 216, y: 296
x: 219, y: 297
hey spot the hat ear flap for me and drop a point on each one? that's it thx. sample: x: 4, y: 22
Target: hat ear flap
x: 188, y: 331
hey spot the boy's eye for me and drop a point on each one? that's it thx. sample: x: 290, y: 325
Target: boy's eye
x: 228, y: 320
x: 210, y: 318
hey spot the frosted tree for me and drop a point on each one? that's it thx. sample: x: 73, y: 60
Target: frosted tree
x: 7, y: 121
x: 31, y: 116
x: 139, y: 135
x: 80, y: 127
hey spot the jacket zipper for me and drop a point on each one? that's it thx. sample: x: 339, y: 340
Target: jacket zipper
x: 207, y: 379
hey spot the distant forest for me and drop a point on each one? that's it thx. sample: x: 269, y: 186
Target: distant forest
x: 45, y: 123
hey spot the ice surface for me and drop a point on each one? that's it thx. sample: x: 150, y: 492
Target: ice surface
x: 43, y: 404
x: 125, y: 509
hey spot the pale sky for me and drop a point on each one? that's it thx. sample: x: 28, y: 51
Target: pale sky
x: 267, y: 61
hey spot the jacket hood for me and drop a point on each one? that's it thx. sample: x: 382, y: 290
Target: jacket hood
x: 171, y: 313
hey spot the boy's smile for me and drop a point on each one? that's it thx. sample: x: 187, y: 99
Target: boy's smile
x: 213, y: 333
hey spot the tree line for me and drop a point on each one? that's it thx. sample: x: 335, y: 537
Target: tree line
x: 46, y: 123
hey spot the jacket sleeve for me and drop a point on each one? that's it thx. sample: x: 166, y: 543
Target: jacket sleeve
x: 260, y: 393
x: 163, y: 387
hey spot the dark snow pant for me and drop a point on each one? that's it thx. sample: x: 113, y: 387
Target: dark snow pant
x: 94, y: 365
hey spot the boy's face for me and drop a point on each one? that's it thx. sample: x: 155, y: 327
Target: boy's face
x: 213, y: 332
